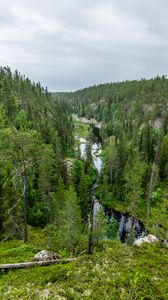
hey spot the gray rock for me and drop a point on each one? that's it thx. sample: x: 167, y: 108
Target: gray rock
x: 45, y: 255
x: 147, y: 239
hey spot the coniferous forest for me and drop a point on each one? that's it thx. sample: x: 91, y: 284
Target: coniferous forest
x: 47, y: 188
x: 133, y: 121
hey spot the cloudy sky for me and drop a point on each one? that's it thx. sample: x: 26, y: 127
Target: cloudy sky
x: 70, y: 44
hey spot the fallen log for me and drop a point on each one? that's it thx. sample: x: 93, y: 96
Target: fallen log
x: 6, y: 267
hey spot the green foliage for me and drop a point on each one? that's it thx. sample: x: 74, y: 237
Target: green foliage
x: 17, y: 251
x: 164, y: 159
x: 84, y: 200
x: 134, y: 126
x: 36, y: 135
x: 76, y: 174
x: 36, y: 138
x: 71, y: 228
x: 134, y: 171
x: 117, y: 272
x: 112, y: 229
x: 130, y: 103
x: 111, y: 154
x: 158, y: 224
x: 21, y: 120
x: 81, y: 129
x: 88, y: 156
x: 100, y: 226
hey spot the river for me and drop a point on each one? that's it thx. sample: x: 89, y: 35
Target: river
x: 96, y: 152
x: 124, y: 220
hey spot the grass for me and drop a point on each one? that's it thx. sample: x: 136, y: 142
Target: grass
x: 14, y: 251
x: 116, y: 271
x: 81, y: 129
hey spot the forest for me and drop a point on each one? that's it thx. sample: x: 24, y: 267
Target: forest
x: 44, y: 183
x: 134, y: 134
x: 36, y: 136
x: 47, y: 186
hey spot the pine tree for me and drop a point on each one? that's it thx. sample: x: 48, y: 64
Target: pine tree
x: 7, y: 97
x: 21, y: 146
x: 163, y: 164
x: 71, y: 228
x: 76, y: 174
x: 88, y: 155
x: 134, y: 171
x: 100, y: 226
x: 84, y: 198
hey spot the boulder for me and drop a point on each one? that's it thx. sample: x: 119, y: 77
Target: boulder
x: 45, y: 255
x: 147, y: 239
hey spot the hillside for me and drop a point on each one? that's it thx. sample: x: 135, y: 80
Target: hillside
x: 36, y: 136
x: 126, y: 102
x: 134, y: 132
x: 49, y: 185
x: 114, y: 272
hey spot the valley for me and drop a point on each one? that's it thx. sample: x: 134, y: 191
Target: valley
x: 98, y: 177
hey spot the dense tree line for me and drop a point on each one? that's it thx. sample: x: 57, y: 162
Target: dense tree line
x: 36, y: 136
x: 38, y: 187
x: 134, y: 131
x: 44, y: 182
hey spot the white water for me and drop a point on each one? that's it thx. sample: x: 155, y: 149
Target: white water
x: 96, y: 151
x: 124, y: 220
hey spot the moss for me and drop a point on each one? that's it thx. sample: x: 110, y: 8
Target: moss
x: 18, y: 251
x: 115, y: 272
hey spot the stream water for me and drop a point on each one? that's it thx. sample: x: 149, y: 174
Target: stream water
x: 124, y: 220
x: 96, y: 152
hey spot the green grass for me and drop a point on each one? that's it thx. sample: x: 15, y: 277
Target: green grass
x: 17, y: 251
x: 81, y: 129
x: 115, y: 272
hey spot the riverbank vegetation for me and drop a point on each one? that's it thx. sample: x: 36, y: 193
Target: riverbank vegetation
x: 44, y: 181
x: 81, y: 129
x: 134, y: 132
x: 47, y: 186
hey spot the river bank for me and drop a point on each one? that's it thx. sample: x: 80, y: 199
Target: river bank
x: 124, y: 220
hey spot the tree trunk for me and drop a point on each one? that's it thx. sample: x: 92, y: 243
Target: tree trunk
x: 24, y: 181
x: 5, y: 267
x: 50, y: 222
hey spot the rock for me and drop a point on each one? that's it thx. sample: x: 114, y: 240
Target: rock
x: 151, y: 238
x: 139, y: 242
x: 147, y: 239
x: 46, y: 255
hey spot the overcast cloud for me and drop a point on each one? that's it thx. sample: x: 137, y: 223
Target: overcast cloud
x: 70, y: 44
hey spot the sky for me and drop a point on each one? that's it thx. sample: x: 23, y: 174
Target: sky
x: 70, y: 44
